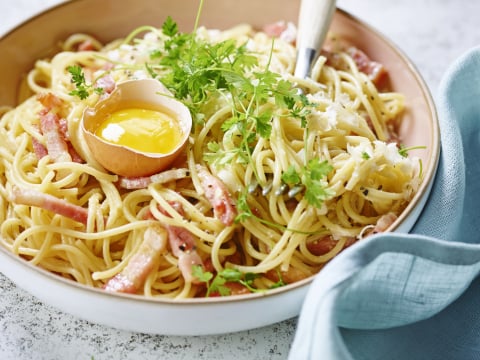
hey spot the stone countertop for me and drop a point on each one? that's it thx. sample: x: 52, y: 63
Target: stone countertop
x: 432, y: 33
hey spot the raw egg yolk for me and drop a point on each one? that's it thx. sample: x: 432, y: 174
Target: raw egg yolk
x: 143, y: 130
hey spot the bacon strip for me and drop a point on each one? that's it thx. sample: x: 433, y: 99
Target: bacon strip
x: 63, y: 128
x: 74, y: 154
x: 326, y: 244
x: 55, y: 130
x: 375, y: 71
x: 86, y: 45
x: 50, y: 101
x: 218, y: 196
x: 141, y: 264
x: 186, y: 262
x: 384, y: 222
x: 235, y: 288
x: 107, y: 83
x: 282, y: 30
x: 160, y: 178
x: 56, y: 146
x: 38, y: 148
x: 290, y: 276
x: 182, y: 244
x: 48, y: 202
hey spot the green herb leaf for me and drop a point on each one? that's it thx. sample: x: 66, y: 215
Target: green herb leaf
x: 78, y: 79
x: 403, y: 151
x: 232, y: 275
x: 312, y: 177
x: 170, y: 27
x: 316, y: 190
x: 291, y: 176
x: 82, y: 89
x: 217, y: 285
x: 280, y: 281
x: 263, y: 123
x: 244, y: 211
x: 203, y: 276
x: 318, y: 169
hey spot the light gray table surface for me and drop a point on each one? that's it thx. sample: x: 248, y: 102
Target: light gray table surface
x: 432, y: 33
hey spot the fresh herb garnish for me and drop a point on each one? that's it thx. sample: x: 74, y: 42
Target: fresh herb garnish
x: 216, y: 284
x: 365, y: 155
x: 196, y: 71
x: 82, y: 89
x: 403, y: 151
x: 170, y: 27
x: 78, y: 79
x: 312, y: 176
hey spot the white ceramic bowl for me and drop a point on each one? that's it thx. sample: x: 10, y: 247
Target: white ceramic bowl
x: 107, y: 19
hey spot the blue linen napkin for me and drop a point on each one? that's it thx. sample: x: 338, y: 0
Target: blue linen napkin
x: 412, y: 296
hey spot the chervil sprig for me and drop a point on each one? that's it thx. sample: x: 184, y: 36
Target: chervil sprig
x: 403, y: 151
x: 82, y: 89
x: 217, y: 283
x: 312, y: 177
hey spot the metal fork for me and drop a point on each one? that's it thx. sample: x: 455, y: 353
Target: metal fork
x: 313, y: 23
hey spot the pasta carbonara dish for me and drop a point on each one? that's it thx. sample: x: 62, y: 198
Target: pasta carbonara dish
x: 279, y: 175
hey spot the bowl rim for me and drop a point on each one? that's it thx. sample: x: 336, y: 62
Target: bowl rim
x: 423, y: 190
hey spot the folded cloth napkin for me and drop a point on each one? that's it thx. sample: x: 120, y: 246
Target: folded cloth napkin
x: 417, y: 295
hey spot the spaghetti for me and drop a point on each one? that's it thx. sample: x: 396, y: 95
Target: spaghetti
x: 273, y: 199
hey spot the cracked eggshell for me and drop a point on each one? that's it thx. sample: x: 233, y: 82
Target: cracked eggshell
x: 122, y: 160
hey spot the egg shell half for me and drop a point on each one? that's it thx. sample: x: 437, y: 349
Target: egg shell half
x: 122, y: 160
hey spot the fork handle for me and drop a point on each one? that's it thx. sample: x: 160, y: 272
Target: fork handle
x: 313, y: 24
